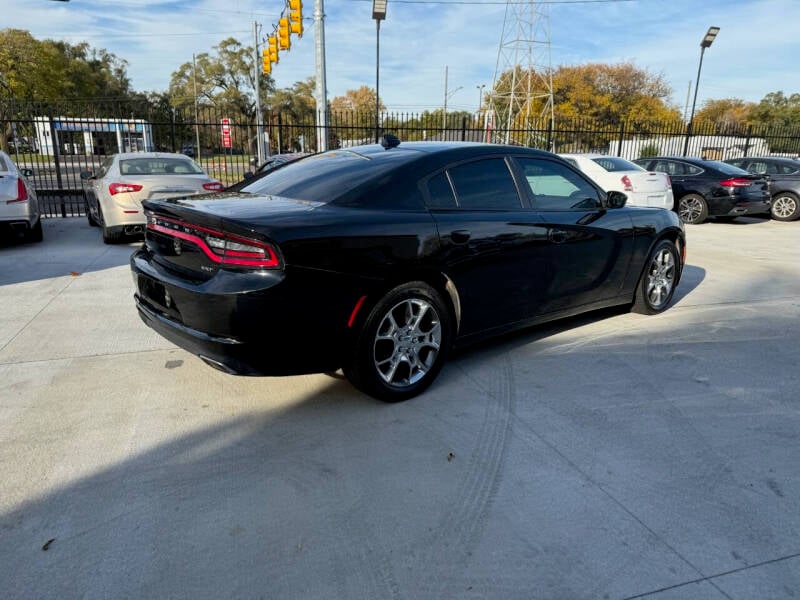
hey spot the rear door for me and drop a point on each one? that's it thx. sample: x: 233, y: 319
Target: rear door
x: 493, y: 244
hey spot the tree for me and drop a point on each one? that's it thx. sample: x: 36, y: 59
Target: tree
x: 297, y: 108
x: 776, y: 109
x: 359, y: 101
x: 727, y: 112
x: 50, y: 72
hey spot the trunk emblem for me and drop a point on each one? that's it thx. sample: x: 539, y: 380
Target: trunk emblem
x: 176, y: 245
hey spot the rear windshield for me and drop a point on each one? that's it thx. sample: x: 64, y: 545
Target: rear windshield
x: 324, y: 177
x: 159, y: 166
x: 726, y: 168
x: 613, y: 163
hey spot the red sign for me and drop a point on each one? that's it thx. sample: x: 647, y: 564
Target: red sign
x: 226, y: 133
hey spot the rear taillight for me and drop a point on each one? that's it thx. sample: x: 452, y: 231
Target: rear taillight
x: 121, y: 188
x: 669, y: 181
x: 22, y: 193
x: 213, y: 186
x: 219, y: 247
x: 626, y: 181
x: 736, y: 182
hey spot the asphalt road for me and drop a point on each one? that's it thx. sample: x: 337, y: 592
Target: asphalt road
x: 611, y: 456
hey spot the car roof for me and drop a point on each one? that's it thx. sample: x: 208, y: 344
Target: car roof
x: 586, y: 155
x: 777, y: 159
x: 129, y: 155
x: 689, y: 159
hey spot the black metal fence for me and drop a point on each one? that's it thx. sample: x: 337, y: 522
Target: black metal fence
x: 59, y: 142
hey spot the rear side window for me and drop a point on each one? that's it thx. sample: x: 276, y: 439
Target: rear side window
x: 485, y: 185
x: 787, y: 170
x: 440, y: 194
x: 3, y: 165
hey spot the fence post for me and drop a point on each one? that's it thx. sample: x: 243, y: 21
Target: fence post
x: 279, y: 133
x: 463, y: 129
x: 550, y: 135
x: 747, y: 139
x: 621, y: 137
x: 54, y: 143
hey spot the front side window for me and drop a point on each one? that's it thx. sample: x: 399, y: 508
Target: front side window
x: 556, y: 187
x: 485, y: 185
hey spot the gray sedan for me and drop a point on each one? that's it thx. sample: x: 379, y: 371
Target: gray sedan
x: 19, y: 208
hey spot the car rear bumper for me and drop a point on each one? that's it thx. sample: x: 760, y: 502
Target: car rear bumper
x: 242, y: 325
x: 742, y: 208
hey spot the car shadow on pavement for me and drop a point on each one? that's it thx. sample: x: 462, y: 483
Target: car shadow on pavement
x: 69, y: 247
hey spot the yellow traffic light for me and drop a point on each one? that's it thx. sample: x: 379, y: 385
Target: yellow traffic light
x: 266, y: 65
x: 272, y: 44
x: 283, y: 34
x: 296, y: 17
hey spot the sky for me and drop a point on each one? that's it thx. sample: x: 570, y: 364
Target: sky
x: 420, y: 40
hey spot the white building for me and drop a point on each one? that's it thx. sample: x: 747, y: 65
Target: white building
x: 74, y: 135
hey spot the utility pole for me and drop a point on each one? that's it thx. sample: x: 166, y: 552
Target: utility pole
x: 444, y: 113
x: 259, y: 116
x: 321, y: 92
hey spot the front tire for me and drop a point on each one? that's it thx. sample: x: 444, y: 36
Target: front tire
x: 403, y: 344
x: 785, y: 207
x: 658, y: 280
x: 692, y: 209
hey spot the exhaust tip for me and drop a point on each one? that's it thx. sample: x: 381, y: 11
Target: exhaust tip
x: 219, y: 366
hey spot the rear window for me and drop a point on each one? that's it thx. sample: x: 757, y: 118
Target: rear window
x: 614, y: 163
x: 726, y: 168
x: 3, y: 165
x: 159, y: 166
x: 325, y: 177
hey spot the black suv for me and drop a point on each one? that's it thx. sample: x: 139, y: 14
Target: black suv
x: 704, y: 188
x: 783, y: 175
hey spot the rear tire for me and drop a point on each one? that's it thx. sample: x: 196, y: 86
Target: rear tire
x: 785, y: 207
x: 109, y: 237
x: 658, y: 280
x: 692, y: 209
x: 35, y: 233
x: 403, y: 344
x: 90, y: 218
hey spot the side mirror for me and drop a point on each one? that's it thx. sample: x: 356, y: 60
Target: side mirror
x: 616, y: 199
x: 26, y: 172
x: 87, y: 175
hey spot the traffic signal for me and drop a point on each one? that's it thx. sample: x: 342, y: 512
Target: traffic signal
x: 272, y: 46
x: 296, y: 17
x: 266, y: 65
x: 283, y: 34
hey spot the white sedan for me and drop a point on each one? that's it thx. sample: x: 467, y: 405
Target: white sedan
x: 614, y: 174
x: 115, y: 192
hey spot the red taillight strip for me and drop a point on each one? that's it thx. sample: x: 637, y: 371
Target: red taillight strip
x: 229, y: 257
x: 22, y: 193
x: 356, y: 308
x: 736, y: 182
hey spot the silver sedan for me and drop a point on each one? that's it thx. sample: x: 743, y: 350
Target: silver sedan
x: 19, y: 209
x: 115, y: 192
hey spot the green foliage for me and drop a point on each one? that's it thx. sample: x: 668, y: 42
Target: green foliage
x: 649, y: 151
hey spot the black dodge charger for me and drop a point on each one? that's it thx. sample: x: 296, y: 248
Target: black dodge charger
x: 378, y: 259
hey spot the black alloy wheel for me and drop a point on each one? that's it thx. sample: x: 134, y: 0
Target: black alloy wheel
x: 692, y: 209
x: 89, y: 217
x: 658, y: 280
x: 403, y: 343
x: 785, y: 207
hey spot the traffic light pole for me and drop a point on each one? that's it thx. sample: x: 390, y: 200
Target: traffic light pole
x: 321, y: 91
x: 259, y: 116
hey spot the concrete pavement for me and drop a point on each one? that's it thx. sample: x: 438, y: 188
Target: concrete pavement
x: 611, y: 456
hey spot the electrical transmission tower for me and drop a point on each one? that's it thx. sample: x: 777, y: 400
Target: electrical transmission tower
x: 522, y: 89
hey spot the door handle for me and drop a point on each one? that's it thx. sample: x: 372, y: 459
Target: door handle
x: 460, y: 236
x: 557, y: 236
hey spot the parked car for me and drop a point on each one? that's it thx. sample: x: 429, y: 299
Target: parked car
x: 706, y: 188
x: 642, y: 187
x: 783, y: 175
x: 269, y: 165
x: 19, y: 207
x: 115, y: 192
x: 377, y: 259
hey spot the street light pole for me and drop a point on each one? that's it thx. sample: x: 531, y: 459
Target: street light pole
x: 480, y: 98
x: 379, y: 14
x: 705, y: 43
